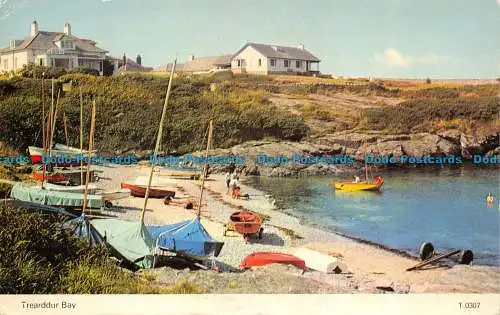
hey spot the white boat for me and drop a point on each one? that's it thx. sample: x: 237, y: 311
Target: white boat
x: 76, y: 189
x: 156, y: 182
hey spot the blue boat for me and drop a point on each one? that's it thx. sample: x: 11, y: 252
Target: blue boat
x: 188, y: 238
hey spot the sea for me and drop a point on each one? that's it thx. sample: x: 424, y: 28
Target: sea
x: 446, y: 207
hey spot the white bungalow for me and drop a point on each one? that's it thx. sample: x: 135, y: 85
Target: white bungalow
x: 266, y: 59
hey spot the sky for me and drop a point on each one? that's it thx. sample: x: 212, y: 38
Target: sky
x: 380, y: 38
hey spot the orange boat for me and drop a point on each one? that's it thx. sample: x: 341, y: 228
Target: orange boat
x: 140, y: 191
x: 246, y: 223
x: 265, y: 258
x: 49, y: 177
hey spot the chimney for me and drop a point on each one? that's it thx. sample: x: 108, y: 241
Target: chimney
x: 190, y: 58
x: 301, y: 46
x: 124, y: 60
x: 12, y: 44
x: 34, y: 28
x: 138, y: 59
x: 67, y: 29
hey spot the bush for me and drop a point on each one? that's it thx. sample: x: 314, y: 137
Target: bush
x: 129, y: 108
x: 38, y: 257
x: 408, y: 115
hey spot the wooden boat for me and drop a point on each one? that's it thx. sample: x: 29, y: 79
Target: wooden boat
x: 49, y: 177
x: 64, y: 157
x: 246, y: 223
x: 265, y: 258
x: 365, y: 185
x: 140, y: 191
x: 91, y: 189
x: 361, y: 186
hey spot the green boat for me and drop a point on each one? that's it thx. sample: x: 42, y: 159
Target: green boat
x: 55, y: 198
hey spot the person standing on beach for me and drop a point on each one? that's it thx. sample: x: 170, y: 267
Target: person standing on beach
x: 228, y: 180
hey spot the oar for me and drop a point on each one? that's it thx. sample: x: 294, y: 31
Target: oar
x: 434, y: 259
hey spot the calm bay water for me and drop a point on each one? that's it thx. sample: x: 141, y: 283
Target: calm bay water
x: 446, y: 207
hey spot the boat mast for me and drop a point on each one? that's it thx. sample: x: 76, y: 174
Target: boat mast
x: 50, y: 119
x: 43, y: 127
x: 91, y: 148
x: 366, y: 164
x: 158, y: 140
x: 209, y: 142
x: 81, y: 136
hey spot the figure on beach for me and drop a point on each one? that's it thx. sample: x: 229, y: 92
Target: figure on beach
x: 228, y: 180
x: 489, y: 200
x: 234, y: 183
x: 356, y: 179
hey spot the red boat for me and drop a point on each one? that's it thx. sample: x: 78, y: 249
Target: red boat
x: 140, y: 191
x: 246, y: 223
x: 265, y: 258
x: 49, y: 177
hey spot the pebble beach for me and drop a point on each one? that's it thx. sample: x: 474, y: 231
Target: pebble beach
x: 369, y: 268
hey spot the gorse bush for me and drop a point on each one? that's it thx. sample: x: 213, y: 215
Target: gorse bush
x: 410, y: 114
x: 129, y: 109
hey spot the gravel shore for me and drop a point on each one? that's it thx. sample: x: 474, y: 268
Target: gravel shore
x: 369, y: 268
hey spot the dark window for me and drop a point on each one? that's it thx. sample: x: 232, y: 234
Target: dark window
x: 273, y: 62
x: 260, y: 62
x: 41, y: 62
x: 286, y: 63
x: 239, y: 63
x: 297, y: 64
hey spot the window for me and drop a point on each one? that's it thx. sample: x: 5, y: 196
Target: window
x: 239, y: 62
x: 273, y: 62
x: 286, y: 63
x: 298, y: 64
x: 260, y: 62
x: 66, y: 44
x: 15, y: 63
x: 100, y: 66
x: 40, y: 62
x: 5, y: 64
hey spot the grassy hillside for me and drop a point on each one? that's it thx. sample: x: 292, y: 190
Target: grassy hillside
x: 129, y: 108
x: 243, y: 108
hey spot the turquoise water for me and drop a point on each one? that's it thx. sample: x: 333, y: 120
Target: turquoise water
x: 446, y: 207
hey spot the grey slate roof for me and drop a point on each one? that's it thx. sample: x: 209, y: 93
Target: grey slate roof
x: 200, y: 64
x: 281, y: 52
x: 46, y: 40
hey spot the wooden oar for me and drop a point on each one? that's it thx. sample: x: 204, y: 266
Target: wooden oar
x: 434, y: 259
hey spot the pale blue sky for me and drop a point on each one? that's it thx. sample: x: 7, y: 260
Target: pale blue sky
x: 383, y: 38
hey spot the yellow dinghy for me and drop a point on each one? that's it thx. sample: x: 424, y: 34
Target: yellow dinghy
x: 361, y: 186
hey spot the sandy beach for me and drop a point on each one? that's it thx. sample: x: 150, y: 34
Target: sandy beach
x: 369, y: 267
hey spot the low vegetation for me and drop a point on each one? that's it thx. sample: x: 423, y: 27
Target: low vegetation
x: 423, y: 114
x: 38, y: 257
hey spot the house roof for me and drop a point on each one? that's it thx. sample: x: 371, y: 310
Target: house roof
x: 133, y: 66
x: 282, y: 52
x: 46, y: 40
x: 200, y: 64
x: 206, y: 63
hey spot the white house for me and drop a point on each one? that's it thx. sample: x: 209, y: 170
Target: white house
x: 265, y: 59
x: 52, y: 49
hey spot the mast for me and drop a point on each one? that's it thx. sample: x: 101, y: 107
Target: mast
x: 55, y: 117
x: 91, y: 148
x: 65, y: 122
x: 50, y: 119
x: 366, y: 165
x: 81, y: 136
x: 158, y: 140
x: 43, y: 127
x: 209, y: 142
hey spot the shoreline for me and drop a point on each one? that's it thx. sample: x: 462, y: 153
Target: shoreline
x: 284, y: 233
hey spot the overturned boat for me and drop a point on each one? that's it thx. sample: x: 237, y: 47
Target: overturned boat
x: 189, y: 238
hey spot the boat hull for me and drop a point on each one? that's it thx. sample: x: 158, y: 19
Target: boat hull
x: 245, y: 222
x: 349, y: 186
x: 265, y: 258
x: 140, y: 191
x: 64, y: 158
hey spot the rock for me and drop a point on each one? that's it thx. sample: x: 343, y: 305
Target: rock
x: 452, y: 135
